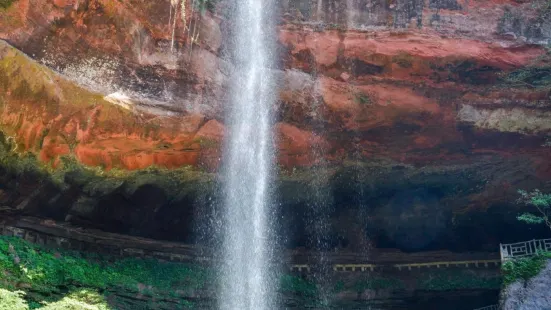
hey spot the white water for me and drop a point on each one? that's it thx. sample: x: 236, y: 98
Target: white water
x: 247, y: 281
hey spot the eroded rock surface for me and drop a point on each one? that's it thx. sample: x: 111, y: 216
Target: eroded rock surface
x: 417, y: 112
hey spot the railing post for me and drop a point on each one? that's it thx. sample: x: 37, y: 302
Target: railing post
x: 523, y: 249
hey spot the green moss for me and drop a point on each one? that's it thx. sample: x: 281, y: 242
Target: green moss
x: 207, y: 143
x: 445, y: 280
x: 205, y: 5
x: 535, y: 75
x: 377, y: 283
x: 96, y: 181
x: 26, y: 164
x: 363, y: 99
x: 524, y: 268
x: 403, y: 59
x: 43, y: 135
x: 65, y: 280
x: 4, y: 4
x: 28, y: 80
x: 298, y: 286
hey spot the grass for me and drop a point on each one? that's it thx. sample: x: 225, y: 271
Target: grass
x: 524, y: 268
x: 64, y: 280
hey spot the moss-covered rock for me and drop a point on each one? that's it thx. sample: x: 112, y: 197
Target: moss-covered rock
x: 4, y: 4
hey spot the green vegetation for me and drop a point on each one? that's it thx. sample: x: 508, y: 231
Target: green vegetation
x: 77, y: 300
x: 205, y: 5
x: 36, y: 277
x: 207, y: 143
x: 298, y: 286
x: 12, y: 300
x: 403, y: 59
x: 458, y: 279
x: 524, y: 268
x: 55, y: 279
x: 541, y: 202
x: 377, y: 283
x: 363, y: 99
x: 533, y: 76
x: 537, y: 74
x: 334, y: 26
x: 96, y: 181
x: 4, y: 4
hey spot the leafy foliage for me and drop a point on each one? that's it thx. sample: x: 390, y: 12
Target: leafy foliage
x: 524, y: 268
x: 12, y: 300
x: 542, y: 203
x: 46, y: 273
x: 530, y: 218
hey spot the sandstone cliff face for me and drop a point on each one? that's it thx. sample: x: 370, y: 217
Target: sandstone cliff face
x: 382, y: 104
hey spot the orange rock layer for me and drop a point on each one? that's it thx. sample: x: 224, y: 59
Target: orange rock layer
x: 388, y: 93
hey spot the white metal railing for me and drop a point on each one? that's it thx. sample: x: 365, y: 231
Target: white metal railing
x: 523, y: 249
x: 492, y: 307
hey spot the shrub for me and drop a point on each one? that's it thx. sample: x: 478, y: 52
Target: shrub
x: 48, y: 274
x: 524, y: 268
x: 12, y: 300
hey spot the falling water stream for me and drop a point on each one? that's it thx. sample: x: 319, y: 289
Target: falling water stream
x: 247, y: 249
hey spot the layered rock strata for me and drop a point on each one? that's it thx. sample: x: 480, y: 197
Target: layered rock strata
x: 417, y: 116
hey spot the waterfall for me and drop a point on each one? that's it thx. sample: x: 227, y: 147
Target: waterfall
x: 247, y: 249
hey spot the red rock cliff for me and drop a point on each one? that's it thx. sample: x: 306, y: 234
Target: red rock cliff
x: 430, y: 85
